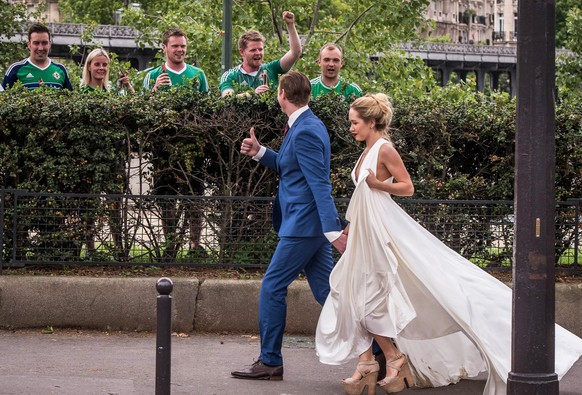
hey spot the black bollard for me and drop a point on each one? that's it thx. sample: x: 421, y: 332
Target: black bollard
x: 164, y: 336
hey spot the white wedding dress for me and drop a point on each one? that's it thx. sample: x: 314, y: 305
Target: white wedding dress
x: 396, y: 279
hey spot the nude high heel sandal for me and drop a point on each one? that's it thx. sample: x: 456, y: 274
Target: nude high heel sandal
x: 402, y: 380
x: 369, y: 372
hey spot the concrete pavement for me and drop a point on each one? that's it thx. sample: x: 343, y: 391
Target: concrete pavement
x: 75, y: 362
x: 114, y: 351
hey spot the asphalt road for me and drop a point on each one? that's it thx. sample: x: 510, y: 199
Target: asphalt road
x: 76, y: 362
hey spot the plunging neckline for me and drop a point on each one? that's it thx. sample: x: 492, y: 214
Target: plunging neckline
x: 363, y: 157
x: 359, y: 165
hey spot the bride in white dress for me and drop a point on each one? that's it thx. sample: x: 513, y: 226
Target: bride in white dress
x: 396, y: 281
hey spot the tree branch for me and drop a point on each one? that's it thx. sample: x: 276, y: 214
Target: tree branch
x: 314, y: 21
x: 353, y: 23
x: 276, y: 26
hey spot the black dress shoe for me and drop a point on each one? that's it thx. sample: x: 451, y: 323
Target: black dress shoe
x: 259, y: 371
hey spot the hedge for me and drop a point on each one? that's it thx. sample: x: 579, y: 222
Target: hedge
x: 456, y: 143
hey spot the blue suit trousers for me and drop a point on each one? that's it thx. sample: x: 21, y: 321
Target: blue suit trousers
x: 293, y: 255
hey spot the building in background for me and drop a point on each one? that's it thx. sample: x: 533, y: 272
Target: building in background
x: 49, y: 8
x: 474, y: 21
x: 462, y: 21
x: 505, y: 22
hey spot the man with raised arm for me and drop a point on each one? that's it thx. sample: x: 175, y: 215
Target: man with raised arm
x: 252, y: 75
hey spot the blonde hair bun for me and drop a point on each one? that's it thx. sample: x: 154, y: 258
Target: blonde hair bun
x: 375, y: 107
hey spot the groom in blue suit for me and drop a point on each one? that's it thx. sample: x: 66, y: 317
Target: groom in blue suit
x: 304, y: 215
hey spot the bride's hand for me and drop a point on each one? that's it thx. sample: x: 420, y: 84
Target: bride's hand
x: 371, y: 180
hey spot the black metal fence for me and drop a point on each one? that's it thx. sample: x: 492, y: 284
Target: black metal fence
x: 105, y: 229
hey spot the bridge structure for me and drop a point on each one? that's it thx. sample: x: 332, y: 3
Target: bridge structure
x: 462, y: 59
x: 121, y: 40
x: 444, y: 58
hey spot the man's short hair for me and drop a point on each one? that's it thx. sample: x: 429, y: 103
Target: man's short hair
x: 331, y: 46
x: 297, y: 87
x: 38, y: 28
x: 251, y: 35
x: 171, y: 33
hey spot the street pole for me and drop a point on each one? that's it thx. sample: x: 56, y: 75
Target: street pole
x: 533, y: 329
x: 226, y: 35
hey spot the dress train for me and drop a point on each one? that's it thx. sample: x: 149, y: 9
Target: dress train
x: 396, y: 279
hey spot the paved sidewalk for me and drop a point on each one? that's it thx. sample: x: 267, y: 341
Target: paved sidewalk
x: 71, y: 362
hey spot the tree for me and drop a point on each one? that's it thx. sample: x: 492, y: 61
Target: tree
x: 569, y: 66
x: 364, y: 29
x: 201, y: 20
x: 99, y: 11
x: 574, y: 30
x: 11, y: 16
x: 96, y: 11
x: 367, y: 29
x: 563, y: 7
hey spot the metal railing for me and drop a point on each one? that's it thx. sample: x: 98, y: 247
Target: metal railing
x: 466, y: 49
x: 118, y: 230
x: 78, y: 29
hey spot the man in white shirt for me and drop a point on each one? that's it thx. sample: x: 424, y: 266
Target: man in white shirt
x: 304, y: 215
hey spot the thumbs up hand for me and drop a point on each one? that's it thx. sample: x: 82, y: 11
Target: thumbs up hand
x: 250, y: 146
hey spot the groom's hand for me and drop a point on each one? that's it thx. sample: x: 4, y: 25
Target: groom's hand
x: 250, y: 146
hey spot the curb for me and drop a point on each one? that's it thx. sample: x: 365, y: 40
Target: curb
x: 129, y: 304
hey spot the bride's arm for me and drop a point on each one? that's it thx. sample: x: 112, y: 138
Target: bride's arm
x: 390, y: 159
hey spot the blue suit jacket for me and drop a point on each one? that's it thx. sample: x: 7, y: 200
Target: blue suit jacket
x: 304, y: 206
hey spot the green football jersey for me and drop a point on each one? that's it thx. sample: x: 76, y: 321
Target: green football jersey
x: 189, y: 76
x: 90, y: 89
x: 347, y: 89
x: 53, y: 75
x: 240, y: 81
